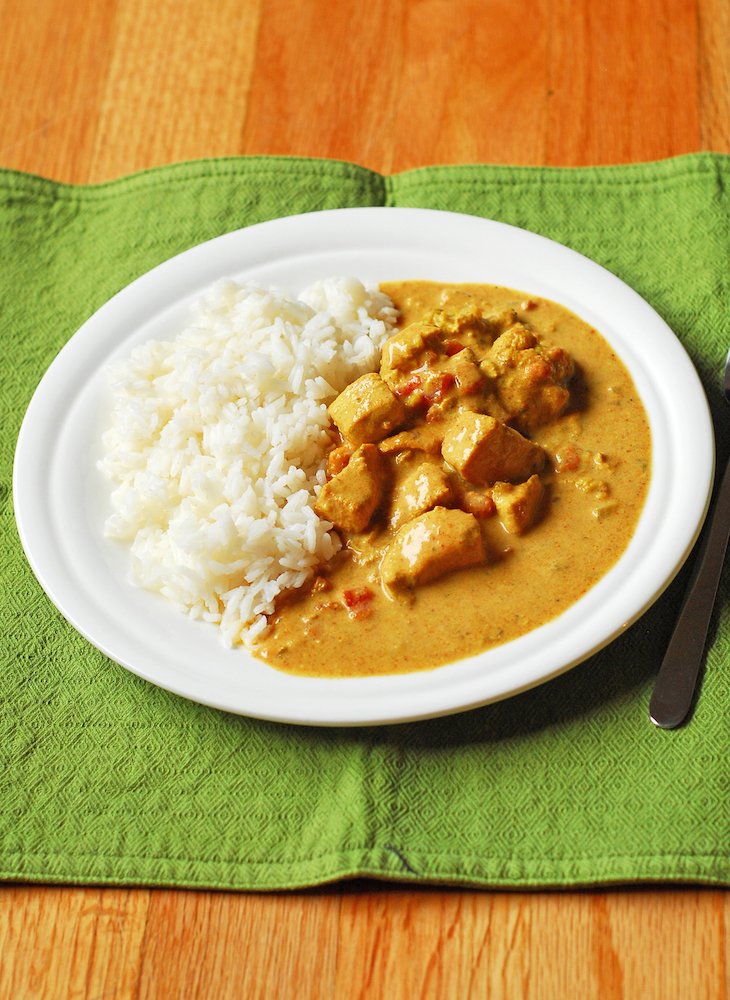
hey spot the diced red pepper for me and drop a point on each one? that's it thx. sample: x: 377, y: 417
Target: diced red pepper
x: 358, y: 596
x: 568, y: 459
x: 452, y: 347
x: 358, y: 602
x: 439, y: 387
x: 413, y: 383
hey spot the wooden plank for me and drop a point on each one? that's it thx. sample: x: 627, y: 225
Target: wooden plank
x: 713, y: 34
x: 623, y: 81
x: 364, y: 941
x: 205, y: 944
x: 391, y: 85
x: 57, y: 942
x: 53, y: 65
x: 177, y: 83
x: 394, y: 85
x: 434, y: 944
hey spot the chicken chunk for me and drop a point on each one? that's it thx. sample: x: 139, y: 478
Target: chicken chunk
x: 337, y: 459
x: 423, y: 488
x: 425, y: 437
x: 349, y: 500
x: 471, y: 321
x: 505, y: 348
x: 484, y: 450
x: 518, y: 506
x: 530, y: 377
x: 454, y: 381
x: 467, y: 373
x: 430, y: 546
x: 367, y: 410
x: 408, y: 348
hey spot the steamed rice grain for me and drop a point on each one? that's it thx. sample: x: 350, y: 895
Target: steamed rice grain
x: 217, y: 443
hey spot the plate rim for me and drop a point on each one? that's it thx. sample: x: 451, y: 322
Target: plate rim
x: 356, y: 717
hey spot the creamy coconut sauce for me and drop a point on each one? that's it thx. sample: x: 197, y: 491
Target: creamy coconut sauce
x: 595, y: 480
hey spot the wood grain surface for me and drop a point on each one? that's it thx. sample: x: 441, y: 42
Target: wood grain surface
x: 94, y: 90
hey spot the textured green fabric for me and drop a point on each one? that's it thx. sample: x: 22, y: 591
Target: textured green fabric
x: 104, y: 778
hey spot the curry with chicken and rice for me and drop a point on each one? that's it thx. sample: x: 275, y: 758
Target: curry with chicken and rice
x: 482, y: 481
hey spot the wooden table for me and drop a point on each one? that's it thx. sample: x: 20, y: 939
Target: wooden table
x: 92, y: 91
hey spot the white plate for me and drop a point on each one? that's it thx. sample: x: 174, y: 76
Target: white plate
x: 61, y: 500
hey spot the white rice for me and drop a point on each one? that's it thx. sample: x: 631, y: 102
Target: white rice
x: 217, y: 442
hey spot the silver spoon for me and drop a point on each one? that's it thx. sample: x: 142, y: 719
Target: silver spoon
x: 677, y: 678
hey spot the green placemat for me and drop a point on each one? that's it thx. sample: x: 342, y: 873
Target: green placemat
x: 104, y: 778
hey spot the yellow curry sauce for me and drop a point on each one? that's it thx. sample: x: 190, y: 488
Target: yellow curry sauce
x: 592, y: 487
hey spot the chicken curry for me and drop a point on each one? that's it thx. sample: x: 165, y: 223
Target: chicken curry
x: 482, y: 481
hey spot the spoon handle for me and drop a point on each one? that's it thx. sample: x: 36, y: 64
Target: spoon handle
x: 677, y: 678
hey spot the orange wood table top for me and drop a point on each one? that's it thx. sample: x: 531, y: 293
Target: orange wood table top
x: 92, y: 91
